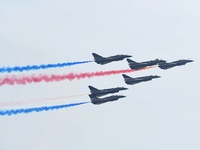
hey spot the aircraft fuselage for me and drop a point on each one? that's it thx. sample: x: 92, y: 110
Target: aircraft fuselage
x: 104, y: 60
x: 97, y: 101
x: 165, y: 65
x: 107, y: 91
x: 137, y: 66
x: 132, y: 81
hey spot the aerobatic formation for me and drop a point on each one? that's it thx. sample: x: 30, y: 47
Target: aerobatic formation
x: 96, y: 96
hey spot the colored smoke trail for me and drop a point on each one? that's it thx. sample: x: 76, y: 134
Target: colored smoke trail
x: 16, y: 103
x: 37, y: 67
x: 38, y: 109
x: 23, y: 79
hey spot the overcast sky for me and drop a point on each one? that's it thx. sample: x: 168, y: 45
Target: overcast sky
x: 161, y: 114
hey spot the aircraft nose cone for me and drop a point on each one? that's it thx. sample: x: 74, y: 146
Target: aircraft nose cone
x: 124, y: 88
x: 157, y: 76
x: 190, y: 60
x: 122, y: 96
x: 128, y: 56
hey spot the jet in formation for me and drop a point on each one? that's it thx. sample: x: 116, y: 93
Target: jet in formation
x: 165, y: 65
x: 129, y: 80
x: 139, y: 65
x: 96, y: 92
x: 104, y: 60
x: 96, y: 101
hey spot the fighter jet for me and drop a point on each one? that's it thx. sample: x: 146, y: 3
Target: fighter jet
x: 131, y: 81
x: 104, y: 60
x: 136, y: 65
x: 165, y: 65
x: 96, y: 101
x: 102, y: 92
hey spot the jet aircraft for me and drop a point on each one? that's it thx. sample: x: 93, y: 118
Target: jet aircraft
x: 96, y: 101
x: 165, y: 65
x: 104, y: 60
x: 102, y: 92
x: 129, y: 80
x: 139, y: 65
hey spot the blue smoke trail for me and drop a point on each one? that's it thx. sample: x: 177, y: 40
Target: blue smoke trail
x: 37, y: 109
x: 37, y: 67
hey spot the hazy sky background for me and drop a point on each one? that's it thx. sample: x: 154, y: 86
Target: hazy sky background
x: 161, y: 114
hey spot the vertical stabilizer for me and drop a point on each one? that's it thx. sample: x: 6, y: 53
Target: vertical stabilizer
x: 92, y: 89
x: 96, y: 56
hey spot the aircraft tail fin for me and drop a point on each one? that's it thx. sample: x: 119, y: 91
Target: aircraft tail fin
x: 126, y: 77
x: 96, y: 56
x: 93, y: 98
x: 99, y: 59
x: 92, y: 89
x: 131, y: 61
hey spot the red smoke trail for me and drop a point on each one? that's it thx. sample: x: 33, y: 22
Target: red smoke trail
x: 23, y: 79
x: 20, y: 102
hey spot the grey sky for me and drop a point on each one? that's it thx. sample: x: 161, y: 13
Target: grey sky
x: 159, y: 115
